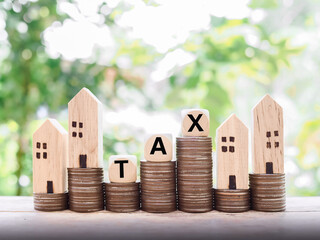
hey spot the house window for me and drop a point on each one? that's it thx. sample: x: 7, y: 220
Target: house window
x: 225, y: 148
x: 39, y: 152
x: 76, y: 131
x: 269, y: 142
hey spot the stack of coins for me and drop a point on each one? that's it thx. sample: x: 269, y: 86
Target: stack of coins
x: 158, y: 186
x: 232, y: 200
x: 122, y: 197
x: 50, y: 201
x: 194, y: 172
x: 85, y: 189
x: 268, y: 192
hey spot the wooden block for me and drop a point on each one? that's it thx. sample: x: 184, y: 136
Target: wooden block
x: 195, y: 123
x: 50, y: 156
x: 268, y: 137
x: 232, y: 154
x: 158, y: 148
x: 85, y: 131
x: 123, y: 168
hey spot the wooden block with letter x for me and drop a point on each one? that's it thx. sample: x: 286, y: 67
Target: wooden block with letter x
x: 158, y: 148
x: 123, y: 168
x: 195, y: 123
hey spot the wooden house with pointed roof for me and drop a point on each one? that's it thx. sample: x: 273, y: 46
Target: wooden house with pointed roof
x: 232, y: 154
x: 50, y: 156
x: 85, y: 131
x: 268, y: 137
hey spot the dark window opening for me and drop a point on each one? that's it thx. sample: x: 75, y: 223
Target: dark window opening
x: 276, y: 133
x: 80, y: 134
x: 232, y: 139
x: 38, y: 155
x: 268, y: 144
x: 224, y: 139
x: 74, y: 134
x: 44, y: 146
x: 231, y: 149
x: 268, y: 134
x: 276, y: 144
x: 74, y: 124
x: 38, y: 145
x: 224, y: 149
x: 83, y: 161
x: 45, y: 155
x: 80, y: 125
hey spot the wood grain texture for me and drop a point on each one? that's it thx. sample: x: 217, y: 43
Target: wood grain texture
x: 129, y: 169
x: 163, y: 145
x: 232, y: 153
x: 268, y: 141
x: 50, y: 157
x: 85, y: 130
x: 20, y: 221
x: 189, y: 129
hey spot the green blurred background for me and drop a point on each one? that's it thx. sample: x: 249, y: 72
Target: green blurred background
x: 147, y: 60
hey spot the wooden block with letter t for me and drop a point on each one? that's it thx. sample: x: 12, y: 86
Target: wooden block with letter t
x: 158, y: 148
x: 122, y: 168
x: 268, y: 137
x: 195, y: 123
x: 232, y: 154
x: 85, y: 131
x: 50, y: 156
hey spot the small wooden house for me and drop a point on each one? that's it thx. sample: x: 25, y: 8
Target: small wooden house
x: 268, y: 137
x: 232, y: 154
x: 50, y: 155
x: 85, y: 131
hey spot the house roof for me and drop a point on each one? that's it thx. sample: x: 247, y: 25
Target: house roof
x: 51, y: 123
x: 86, y: 93
x: 267, y: 100
x: 232, y: 119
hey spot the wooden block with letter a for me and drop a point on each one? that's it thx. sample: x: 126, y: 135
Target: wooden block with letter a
x: 158, y: 148
x: 268, y: 143
x: 122, y: 168
x: 195, y: 123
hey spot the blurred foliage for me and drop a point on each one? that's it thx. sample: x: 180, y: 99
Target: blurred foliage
x: 30, y: 80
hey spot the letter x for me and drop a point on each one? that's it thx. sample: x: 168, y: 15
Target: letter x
x: 195, y: 123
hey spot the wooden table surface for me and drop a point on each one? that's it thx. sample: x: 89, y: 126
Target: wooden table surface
x: 19, y: 220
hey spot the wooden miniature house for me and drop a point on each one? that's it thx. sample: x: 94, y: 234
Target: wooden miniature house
x: 195, y: 123
x: 268, y: 137
x: 232, y: 154
x: 50, y: 155
x: 85, y: 131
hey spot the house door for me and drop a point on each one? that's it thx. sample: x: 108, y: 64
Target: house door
x: 49, y: 187
x: 269, y: 168
x: 83, y: 160
x: 232, y: 182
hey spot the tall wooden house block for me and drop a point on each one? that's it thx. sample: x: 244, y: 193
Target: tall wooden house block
x: 232, y: 154
x: 85, y: 131
x: 50, y: 155
x: 268, y: 137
